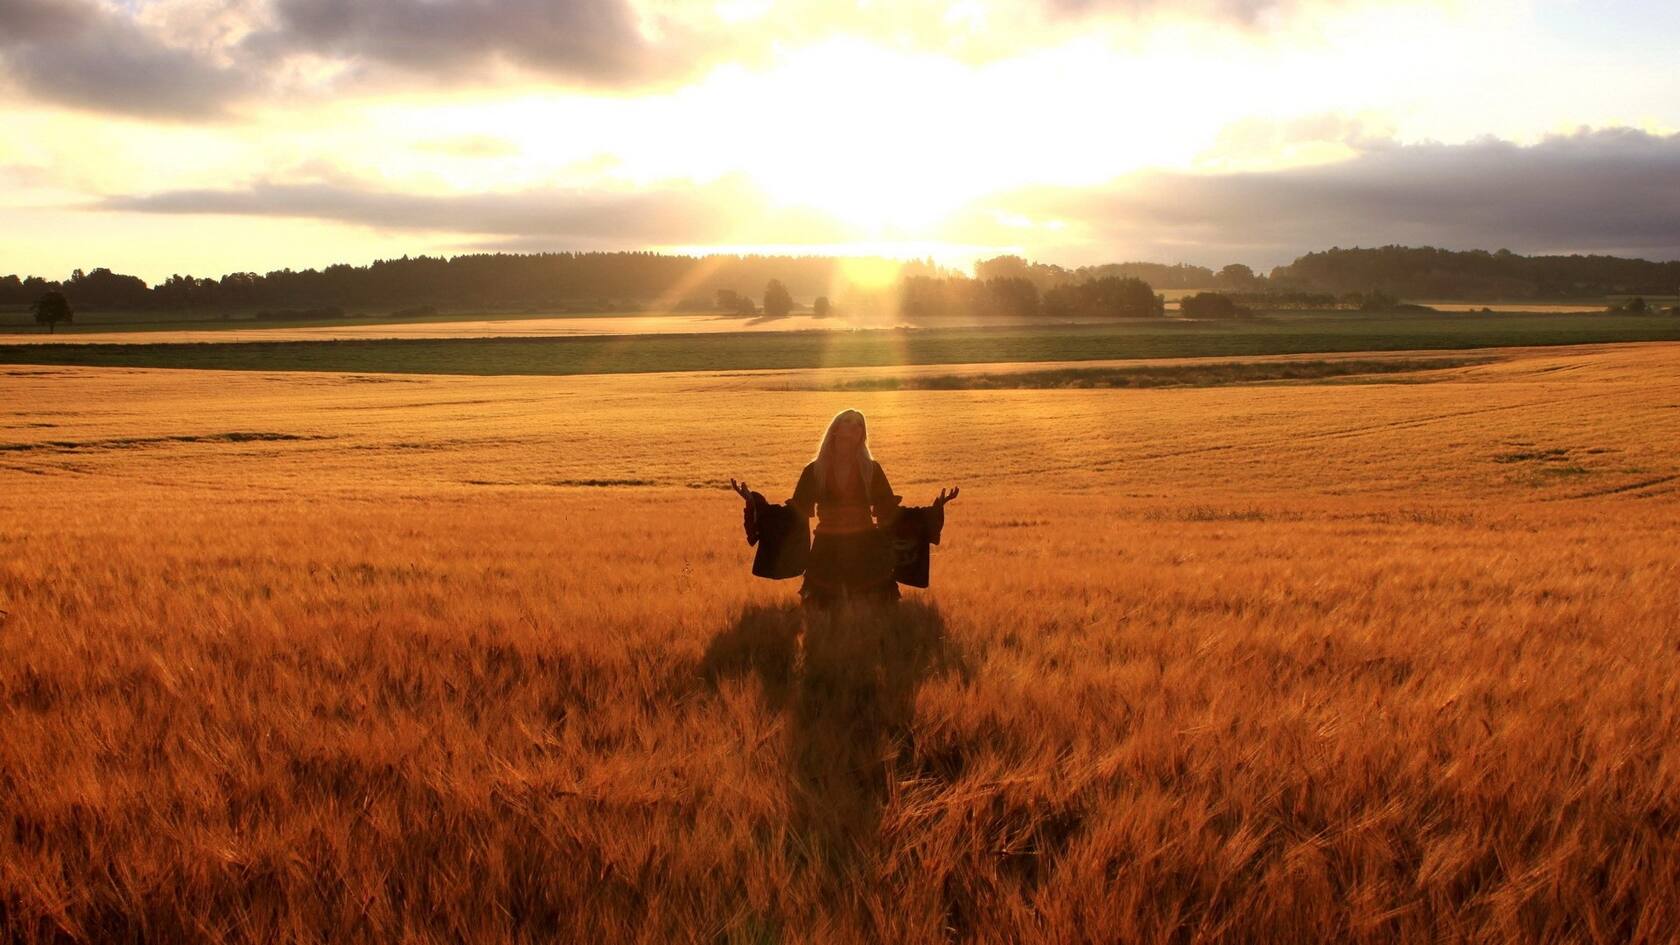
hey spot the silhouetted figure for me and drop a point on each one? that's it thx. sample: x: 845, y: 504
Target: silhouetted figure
x: 852, y: 552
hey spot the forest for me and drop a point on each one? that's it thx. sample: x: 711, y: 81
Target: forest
x: 597, y: 281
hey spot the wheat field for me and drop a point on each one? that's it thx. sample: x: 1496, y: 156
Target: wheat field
x: 358, y: 658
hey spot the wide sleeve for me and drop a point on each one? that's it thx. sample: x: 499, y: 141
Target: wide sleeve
x: 881, y: 498
x: 805, y: 493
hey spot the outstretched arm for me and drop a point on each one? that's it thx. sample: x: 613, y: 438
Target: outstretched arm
x: 749, y: 514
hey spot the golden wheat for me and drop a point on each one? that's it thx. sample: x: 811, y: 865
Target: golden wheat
x: 316, y: 657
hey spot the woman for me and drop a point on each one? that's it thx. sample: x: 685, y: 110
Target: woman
x: 851, y: 555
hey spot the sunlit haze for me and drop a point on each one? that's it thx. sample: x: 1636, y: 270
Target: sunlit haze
x: 163, y: 136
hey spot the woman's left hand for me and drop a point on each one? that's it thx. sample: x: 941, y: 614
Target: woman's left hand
x: 946, y: 495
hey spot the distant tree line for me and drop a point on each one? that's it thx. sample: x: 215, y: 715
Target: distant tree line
x: 1159, y: 275
x: 1430, y: 273
x: 925, y: 296
x: 1004, y: 285
x: 100, y: 288
x: 552, y: 280
x: 1017, y: 296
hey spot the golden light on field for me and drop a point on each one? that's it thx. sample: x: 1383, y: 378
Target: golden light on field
x: 1368, y: 661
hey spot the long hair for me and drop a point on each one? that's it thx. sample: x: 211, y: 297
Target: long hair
x: 825, y: 458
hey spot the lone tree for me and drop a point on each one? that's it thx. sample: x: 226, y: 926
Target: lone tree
x: 728, y: 300
x: 777, y: 301
x: 1235, y: 276
x: 820, y: 308
x: 1211, y: 305
x: 50, y: 309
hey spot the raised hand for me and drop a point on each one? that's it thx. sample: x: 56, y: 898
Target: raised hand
x: 946, y: 495
x: 741, y: 490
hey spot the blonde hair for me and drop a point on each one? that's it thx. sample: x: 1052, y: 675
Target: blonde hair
x: 824, y: 460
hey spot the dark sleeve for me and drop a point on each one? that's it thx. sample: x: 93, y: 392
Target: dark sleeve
x: 752, y: 513
x: 882, y: 498
x: 805, y: 493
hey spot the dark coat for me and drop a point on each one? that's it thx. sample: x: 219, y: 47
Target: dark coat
x: 912, y: 532
x: 783, y: 537
x: 782, y: 534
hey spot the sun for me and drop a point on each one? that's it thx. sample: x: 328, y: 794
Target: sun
x: 883, y: 148
x: 871, y: 202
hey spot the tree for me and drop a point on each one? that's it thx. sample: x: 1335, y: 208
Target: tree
x: 1377, y: 301
x: 820, y: 308
x: 50, y: 309
x: 777, y: 300
x: 1176, y: 276
x: 728, y: 300
x: 1043, y: 277
x: 103, y: 288
x: 1235, y: 276
x: 1011, y: 296
x: 1002, y: 267
x: 1110, y: 297
x: 1211, y: 305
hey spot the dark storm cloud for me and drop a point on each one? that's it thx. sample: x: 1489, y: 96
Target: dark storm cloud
x: 76, y: 54
x: 592, y: 41
x: 34, y: 19
x: 80, y: 54
x: 1614, y: 190
x: 671, y: 214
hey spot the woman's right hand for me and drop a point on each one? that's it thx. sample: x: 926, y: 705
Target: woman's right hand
x: 741, y: 490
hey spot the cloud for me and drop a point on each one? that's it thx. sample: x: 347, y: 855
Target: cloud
x: 33, y: 19
x: 80, y: 55
x: 587, y: 41
x: 1264, y: 143
x: 199, y: 59
x: 676, y: 213
x: 1612, y: 190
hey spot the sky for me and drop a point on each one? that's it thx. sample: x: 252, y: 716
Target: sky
x: 210, y: 136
